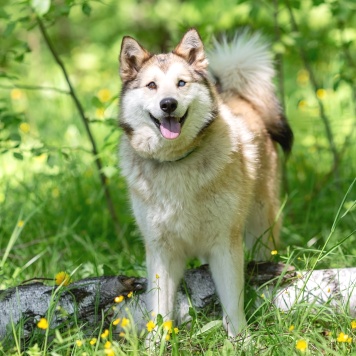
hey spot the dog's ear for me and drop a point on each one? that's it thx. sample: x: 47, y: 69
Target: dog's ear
x: 191, y: 48
x: 132, y: 57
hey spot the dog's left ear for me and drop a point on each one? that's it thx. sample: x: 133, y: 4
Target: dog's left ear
x: 191, y: 48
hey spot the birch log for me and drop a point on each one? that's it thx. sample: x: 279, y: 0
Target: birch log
x: 91, y: 301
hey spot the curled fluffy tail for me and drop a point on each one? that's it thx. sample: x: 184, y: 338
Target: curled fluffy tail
x: 245, y: 67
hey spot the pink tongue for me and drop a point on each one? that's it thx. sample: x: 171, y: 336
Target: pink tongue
x: 170, y: 128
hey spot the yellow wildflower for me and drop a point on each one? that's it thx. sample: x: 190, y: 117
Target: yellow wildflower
x: 150, y: 326
x: 119, y: 299
x: 79, y: 343
x: 176, y: 330
x: 93, y: 341
x: 303, y: 77
x: 321, y: 94
x: 167, y: 325
x: 168, y: 337
x: 302, y: 104
x: 274, y: 252
x: 62, y: 278
x: 157, y: 276
x: 100, y: 113
x: 125, y: 322
x: 105, y: 334
x: 116, y: 321
x: 301, y: 345
x: 130, y: 294
x: 344, y: 338
x: 43, y: 324
x: 55, y: 192
x: 104, y: 95
x: 291, y: 328
x: 25, y: 127
x: 107, y: 345
x: 20, y: 223
x: 109, y: 352
x: 16, y: 94
x: 353, y: 324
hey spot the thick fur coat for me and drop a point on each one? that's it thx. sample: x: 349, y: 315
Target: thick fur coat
x: 201, y: 162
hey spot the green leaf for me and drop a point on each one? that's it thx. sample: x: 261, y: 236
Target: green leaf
x: 41, y: 7
x: 15, y: 137
x: 86, y: 8
x: 109, y: 171
x: 18, y: 156
x: 96, y: 102
x: 9, y: 28
x: 211, y: 326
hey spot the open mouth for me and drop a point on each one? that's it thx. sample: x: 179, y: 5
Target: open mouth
x: 170, y: 126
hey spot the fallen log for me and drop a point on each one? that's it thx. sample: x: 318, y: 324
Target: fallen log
x: 90, y: 302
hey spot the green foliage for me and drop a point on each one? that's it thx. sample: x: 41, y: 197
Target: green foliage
x: 53, y: 213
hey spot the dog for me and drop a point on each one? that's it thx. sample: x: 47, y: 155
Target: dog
x: 199, y: 153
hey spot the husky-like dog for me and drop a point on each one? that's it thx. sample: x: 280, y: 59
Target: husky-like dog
x: 201, y: 162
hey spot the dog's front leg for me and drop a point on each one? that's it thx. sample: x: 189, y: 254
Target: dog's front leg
x: 227, y: 267
x: 164, y: 270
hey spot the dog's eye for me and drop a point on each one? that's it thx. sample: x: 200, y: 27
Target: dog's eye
x: 151, y: 85
x: 181, y: 83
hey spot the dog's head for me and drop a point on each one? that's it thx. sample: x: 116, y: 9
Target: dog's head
x: 166, y: 99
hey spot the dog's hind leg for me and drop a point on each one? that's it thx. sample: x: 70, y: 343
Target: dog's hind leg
x: 262, y: 231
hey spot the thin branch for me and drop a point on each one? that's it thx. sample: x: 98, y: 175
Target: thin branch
x: 85, y: 121
x: 34, y: 87
x: 279, y: 56
x: 351, y: 64
x: 324, y: 118
x: 280, y: 84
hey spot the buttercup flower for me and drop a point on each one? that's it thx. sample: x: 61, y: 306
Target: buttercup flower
x: 24, y: 127
x: 274, y: 252
x: 16, y: 94
x: 62, y: 278
x: 344, y: 338
x: 105, y: 334
x: 321, y: 93
x: 150, y: 326
x: 176, y: 330
x: 301, y: 345
x: 109, y: 352
x: 157, y: 276
x: 125, y: 322
x: 79, y: 343
x: 130, y: 295
x: 291, y: 328
x: 116, y: 321
x: 107, y: 345
x: 43, y: 324
x: 104, y: 95
x: 119, y: 299
x: 167, y: 325
x: 93, y: 341
x: 353, y: 324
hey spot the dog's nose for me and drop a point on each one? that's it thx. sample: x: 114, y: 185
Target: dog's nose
x: 168, y: 105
